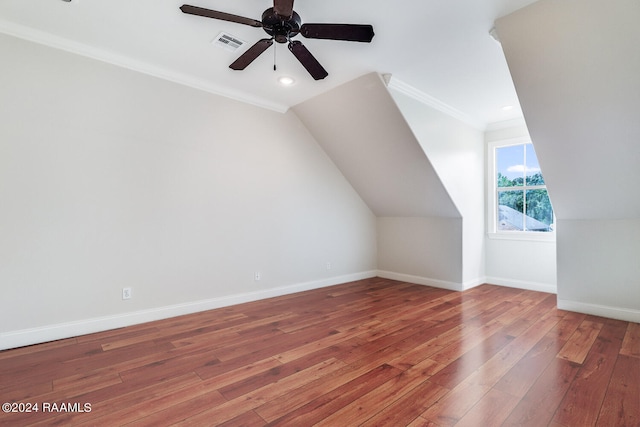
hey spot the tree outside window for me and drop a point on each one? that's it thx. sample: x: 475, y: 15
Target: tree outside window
x: 521, y: 194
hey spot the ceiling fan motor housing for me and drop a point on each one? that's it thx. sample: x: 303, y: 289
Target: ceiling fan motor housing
x: 280, y: 29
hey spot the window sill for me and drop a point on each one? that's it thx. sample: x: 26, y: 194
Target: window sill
x: 523, y: 236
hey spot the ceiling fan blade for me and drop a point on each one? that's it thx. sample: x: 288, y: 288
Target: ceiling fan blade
x: 307, y: 60
x: 283, y: 8
x: 208, y: 13
x: 348, y: 32
x: 251, y: 54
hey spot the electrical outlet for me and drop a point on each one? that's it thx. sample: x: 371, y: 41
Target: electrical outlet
x: 256, y: 276
x: 126, y: 293
x: 328, y: 265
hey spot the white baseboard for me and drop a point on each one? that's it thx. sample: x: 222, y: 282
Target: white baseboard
x: 418, y: 280
x: 618, y: 313
x: 454, y: 286
x: 473, y: 283
x: 521, y: 284
x: 20, y: 338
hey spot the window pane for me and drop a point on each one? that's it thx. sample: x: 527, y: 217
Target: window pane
x: 510, y: 166
x: 510, y: 210
x: 534, y: 176
x: 539, y: 211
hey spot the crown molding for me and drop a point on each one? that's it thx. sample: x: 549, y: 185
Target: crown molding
x: 418, y: 95
x: 61, y: 43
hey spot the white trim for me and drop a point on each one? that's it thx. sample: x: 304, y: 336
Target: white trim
x: 432, y: 102
x: 543, y: 237
x: 522, y: 284
x: 62, y: 43
x: 469, y: 284
x: 454, y: 286
x: 626, y: 314
x: 426, y: 281
x: 492, y: 204
x: 58, y: 331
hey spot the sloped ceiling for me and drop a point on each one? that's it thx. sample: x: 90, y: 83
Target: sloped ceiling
x: 576, y: 68
x: 360, y: 127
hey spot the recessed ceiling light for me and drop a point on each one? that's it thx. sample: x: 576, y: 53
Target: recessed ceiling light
x: 507, y: 108
x: 286, y: 80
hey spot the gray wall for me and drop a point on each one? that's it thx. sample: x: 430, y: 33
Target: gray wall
x: 456, y: 151
x: 111, y: 179
x: 527, y: 261
x: 420, y: 231
x: 575, y: 65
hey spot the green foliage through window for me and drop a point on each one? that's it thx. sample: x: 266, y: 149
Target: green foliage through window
x: 522, y: 198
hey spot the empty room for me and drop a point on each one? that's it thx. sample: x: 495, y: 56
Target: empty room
x: 337, y: 213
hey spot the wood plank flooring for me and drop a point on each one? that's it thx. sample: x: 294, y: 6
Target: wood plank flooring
x: 370, y: 353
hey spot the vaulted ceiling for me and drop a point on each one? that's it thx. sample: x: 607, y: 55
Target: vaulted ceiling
x: 439, y: 48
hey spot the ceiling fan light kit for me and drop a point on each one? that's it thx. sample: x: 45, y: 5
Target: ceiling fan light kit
x: 282, y: 23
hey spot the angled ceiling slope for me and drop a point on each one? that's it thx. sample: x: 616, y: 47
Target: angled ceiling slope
x: 360, y: 127
x: 576, y: 68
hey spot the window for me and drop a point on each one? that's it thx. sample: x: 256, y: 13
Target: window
x: 518, y: 194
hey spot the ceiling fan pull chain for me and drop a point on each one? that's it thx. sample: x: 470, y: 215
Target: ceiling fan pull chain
x: 274, y: 57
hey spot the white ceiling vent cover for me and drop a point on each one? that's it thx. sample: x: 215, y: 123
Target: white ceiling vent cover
x: 227, y: 42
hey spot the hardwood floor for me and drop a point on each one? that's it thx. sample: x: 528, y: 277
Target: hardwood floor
x: 373, y: 353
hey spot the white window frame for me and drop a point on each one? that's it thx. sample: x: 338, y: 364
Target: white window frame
x: 492, y: 202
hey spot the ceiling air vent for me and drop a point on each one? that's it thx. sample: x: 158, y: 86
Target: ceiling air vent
x: 227, y: 42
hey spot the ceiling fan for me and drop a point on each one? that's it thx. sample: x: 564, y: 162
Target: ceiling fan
x: 282, y: 23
